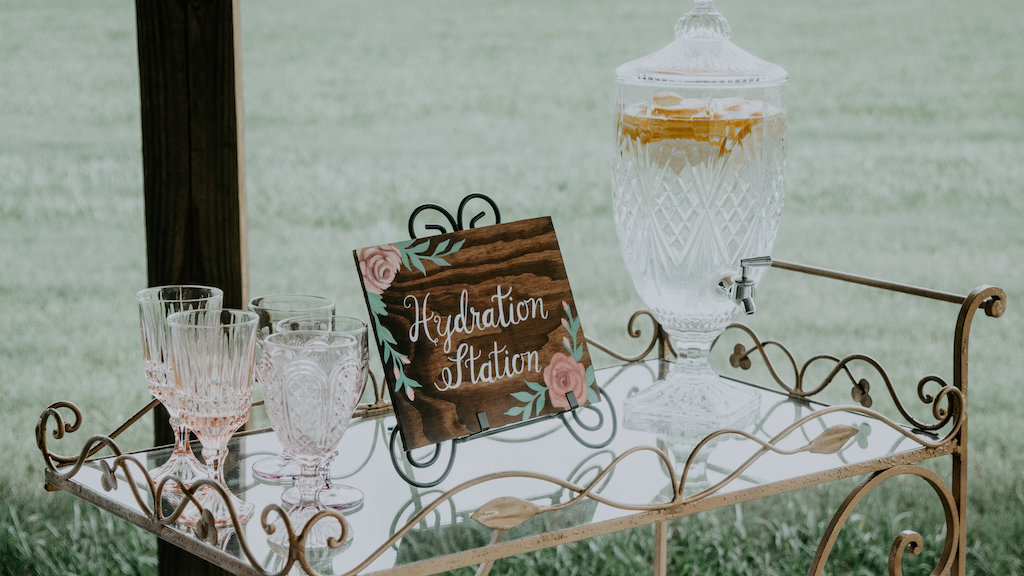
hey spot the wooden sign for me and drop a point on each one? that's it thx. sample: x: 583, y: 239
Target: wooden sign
x: 476, y: 329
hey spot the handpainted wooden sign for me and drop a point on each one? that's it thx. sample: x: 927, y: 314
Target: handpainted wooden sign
x: 476, y: 329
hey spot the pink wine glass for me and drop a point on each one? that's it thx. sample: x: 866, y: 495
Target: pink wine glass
x: 155, y: 305
x: 214, y: 366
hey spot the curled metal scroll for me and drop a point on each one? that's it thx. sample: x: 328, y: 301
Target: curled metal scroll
x: 658, y: 339
x: 906, y: 541
x: 599, y: 425
x: 944, y: 406
x: 407, y: 456
x: 456, y: 222
x: 183, y: 496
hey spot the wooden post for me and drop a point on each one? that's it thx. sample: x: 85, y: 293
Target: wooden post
x: 193, y: 166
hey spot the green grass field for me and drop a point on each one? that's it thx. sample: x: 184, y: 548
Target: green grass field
x: 905, y: 161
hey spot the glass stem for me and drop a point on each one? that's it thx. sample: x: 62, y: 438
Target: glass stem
x: 325, y: 471
x: 181, y: 447
x: 692, y: 357
x: 309, y: 484
x: 215, y: 462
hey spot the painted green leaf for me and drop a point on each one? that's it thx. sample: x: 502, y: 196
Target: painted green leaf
x: 404, y: 380
x: 541, y: 398
x: 590, y: 377
x: 384, y: 335
x: 419, y: 265
x: 376, y: 304
x: 442, y: 245
x: 536, y: 387
x: 523, y: 396
x: 404, y: 254
x: 515, y: 411
x: 591, y: 395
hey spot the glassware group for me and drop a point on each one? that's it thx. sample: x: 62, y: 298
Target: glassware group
x: 202, y: 361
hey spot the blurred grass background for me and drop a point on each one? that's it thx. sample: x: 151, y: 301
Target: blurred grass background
x: 905, y: 161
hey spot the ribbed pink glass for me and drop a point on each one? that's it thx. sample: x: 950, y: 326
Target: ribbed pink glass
x: 155, y: 305
x: 214, y: 366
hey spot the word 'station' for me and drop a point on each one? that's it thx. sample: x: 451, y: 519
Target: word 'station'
x: 475, y: 322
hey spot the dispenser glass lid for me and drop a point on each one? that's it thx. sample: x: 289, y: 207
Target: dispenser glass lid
x: 702, y: 55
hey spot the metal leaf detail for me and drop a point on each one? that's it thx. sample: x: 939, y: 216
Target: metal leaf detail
x: 831, y: 440
x: 108, y: 481
x: 505, y: 513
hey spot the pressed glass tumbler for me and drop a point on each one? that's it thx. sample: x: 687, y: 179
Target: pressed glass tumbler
x: 272, y: 308
x: 312, y: 383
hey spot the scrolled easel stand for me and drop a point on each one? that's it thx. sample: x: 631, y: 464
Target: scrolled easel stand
x: 577, y: 427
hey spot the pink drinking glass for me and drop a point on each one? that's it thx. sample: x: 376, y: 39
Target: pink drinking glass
x: 155, y: 305
x: 312, y: 383
x: 330, y: 494
x: 214, y: 366
x: 272, y: 308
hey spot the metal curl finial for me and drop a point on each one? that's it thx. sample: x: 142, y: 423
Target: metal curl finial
x: 456, y: 222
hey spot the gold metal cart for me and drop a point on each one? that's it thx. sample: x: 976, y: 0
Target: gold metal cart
x: 535, y: 487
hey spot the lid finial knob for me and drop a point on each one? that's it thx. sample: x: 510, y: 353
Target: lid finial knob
x: 703, y: 22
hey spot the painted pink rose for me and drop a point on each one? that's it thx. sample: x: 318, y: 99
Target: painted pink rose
x: 379, y: 265
x: 563, y: 375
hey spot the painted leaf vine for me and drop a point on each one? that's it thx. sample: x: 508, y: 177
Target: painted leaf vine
x: 379, y: 265
x: 564, y: 371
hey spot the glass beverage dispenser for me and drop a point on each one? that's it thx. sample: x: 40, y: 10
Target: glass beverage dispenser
x: 698, y: 187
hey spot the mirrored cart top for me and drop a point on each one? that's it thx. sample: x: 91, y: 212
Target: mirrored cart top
x: 544, y: 481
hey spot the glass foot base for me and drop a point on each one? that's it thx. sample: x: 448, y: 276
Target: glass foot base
x: 276, y: 470
x: 338, y: 497
x: 209, y: 499
x: 181, y: 465
x: 687, y: 406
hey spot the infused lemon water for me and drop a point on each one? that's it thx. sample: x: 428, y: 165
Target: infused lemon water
x: 698, y: 185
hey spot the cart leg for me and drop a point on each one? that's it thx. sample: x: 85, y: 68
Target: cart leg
x: 485, y: 568
x: 661, y: 548
x: 960, y: 497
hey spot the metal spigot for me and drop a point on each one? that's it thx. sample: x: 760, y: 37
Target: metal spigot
x: 744, y: 291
